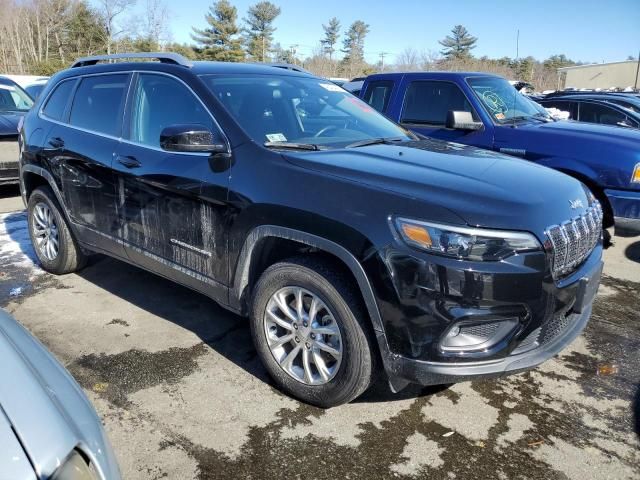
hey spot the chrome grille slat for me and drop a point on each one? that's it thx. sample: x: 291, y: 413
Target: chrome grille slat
x: 572, y: 241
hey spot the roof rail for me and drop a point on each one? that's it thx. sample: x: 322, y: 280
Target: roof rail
x: 288, y: 66
x: 163, y: 57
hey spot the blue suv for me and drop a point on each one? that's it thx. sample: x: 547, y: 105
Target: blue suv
x: 484, y: 110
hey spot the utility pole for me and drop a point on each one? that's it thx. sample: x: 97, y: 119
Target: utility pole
x: 382, y: 55
x: 637, y: 70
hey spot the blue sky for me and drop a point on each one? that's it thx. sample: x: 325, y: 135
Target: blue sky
x: 595, y: 31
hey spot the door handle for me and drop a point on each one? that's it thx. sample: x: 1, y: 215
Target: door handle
x: 56, y: 142
x: 128, y: 161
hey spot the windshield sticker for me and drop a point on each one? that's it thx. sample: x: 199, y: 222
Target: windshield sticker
x: 500, y: 116
x: 332, y: 87
x: 276, y: 137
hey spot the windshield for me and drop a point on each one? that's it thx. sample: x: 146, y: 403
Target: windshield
x: 13, y: 98
x: 501, y: 100
x: 278, y: 109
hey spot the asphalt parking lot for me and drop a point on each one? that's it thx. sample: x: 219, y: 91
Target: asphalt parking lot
x: 183, y: 395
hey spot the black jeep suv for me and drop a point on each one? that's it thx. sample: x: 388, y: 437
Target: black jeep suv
x: 353, y: 246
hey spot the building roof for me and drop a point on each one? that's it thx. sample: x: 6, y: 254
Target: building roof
x: 575, y: 67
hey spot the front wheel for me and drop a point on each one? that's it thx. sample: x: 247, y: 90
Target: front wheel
x: 310, y: 332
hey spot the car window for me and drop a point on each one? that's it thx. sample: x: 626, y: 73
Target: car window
x: 58, y: 100
x: 427, y: 102
x: 301, y: 109
x: 160, y: 101
x: 98, y: 103
x: 561, y: 105
x: 13, y: 98
x: 378, y: 94
x: 595, y: 113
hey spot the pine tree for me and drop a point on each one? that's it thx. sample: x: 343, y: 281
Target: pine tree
x: 459, y: 44
x: 220, y: 40
x: 331, y: 34
x: 259, y: 30
x: 353, y: 47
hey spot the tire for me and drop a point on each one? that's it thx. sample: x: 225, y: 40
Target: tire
x: 355, y: 370
x: 68, y: 257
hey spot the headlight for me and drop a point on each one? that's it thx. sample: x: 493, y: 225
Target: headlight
x: 635, y: 178
x: 465, y: 243
x: 75, y: 468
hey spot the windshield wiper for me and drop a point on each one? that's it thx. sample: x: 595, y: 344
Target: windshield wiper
x: 374, y: 141
x: 292, y: 145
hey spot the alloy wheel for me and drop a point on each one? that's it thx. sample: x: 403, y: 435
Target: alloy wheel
x: 303, y: 335
x: 45, y: 231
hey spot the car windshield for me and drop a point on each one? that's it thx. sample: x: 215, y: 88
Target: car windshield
x: 13, y: 98
x: 503, y: 102
x: 275, y: 109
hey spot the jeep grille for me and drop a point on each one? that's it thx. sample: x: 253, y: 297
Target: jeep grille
x: 571, y: 242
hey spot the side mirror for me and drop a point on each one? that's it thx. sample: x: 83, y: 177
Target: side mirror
x: 462, y: 121
x: 190, y: 138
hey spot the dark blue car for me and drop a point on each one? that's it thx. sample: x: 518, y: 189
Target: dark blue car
x: 484, y: 110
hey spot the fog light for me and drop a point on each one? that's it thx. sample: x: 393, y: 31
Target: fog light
x: 475, y: 337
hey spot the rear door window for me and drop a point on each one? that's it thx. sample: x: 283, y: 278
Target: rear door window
x: 378, y: 94
x: 57, y: 102
x: 427, y: 103
x: 98, y: 103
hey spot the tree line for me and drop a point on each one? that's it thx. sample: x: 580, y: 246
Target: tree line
x: 44, y: 36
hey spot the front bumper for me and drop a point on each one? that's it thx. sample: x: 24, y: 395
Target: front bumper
x: 626, y: 208
x: 551, y: 314
x: 9, y: 162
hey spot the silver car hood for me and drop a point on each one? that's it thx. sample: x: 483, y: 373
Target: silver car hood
x: 46, y: 407
x: 14, y: 461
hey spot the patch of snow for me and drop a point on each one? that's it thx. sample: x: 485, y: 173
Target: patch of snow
x: 16, y: 250
x: 558, y: 114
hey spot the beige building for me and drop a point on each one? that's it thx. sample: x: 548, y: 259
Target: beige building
x: 600, y: 75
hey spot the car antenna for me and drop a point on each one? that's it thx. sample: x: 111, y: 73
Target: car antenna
x: 515, y: 90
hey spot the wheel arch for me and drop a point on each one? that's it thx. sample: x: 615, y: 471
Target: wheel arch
x: 260, y: 237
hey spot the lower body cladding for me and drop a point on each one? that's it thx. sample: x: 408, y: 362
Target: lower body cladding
x: 626, y: 208
x: 447, y: 321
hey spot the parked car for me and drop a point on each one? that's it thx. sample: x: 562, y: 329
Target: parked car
x: 484, y: 110
x: 14, y: 102
x: 48, y: 428
x: 343, y: 237
x: 354, y: 86
x: 34, y: 89
x: 605, y: 109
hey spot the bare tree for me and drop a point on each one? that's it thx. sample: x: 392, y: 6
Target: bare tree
x: 111, y: 10
x: 156, y: 22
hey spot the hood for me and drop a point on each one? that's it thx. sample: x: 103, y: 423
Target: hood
x: 15, y: 463
x: 9, y: 123
x: 599, y: 151
x: 484, y: 188
x: 45, y: 406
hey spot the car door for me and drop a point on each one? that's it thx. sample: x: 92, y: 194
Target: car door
x: 80, y: 146
x: 172, y: 205
x: 425, y: 107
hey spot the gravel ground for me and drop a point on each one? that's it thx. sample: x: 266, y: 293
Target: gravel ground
x: 182, y: 394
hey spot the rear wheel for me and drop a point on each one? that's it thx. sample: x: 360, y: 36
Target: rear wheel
x: 52, y: 240
x: 310, y: 332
